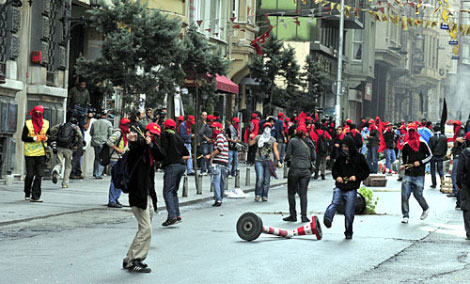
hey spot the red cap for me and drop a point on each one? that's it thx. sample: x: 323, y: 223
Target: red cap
x: 287, y: 119
x: 38, y: 108
x: 254, y: 115
x: 210, y: 117
x: 235, y: 120
x: 169, y: 123
x: 457, y: 122
x: 413, y: 126
x: 280, y: 114
x: 267, y: 124
x: 191, y: 119
x: 372, y: 121
x: 154, y: 128
x: 348, y: 121
x: 216, y: 125
x: 181, y: 118
x: 125, y: 120
x: 301, y: 127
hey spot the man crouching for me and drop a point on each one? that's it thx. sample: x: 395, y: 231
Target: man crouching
x: 348, y: 170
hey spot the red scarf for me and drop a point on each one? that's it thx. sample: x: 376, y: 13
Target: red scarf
x: 413, y: 140
x: 37, y: 119
x: 456, y: 132
x: 235, y: 125
x: 124, y: 130
x: 188, y: 127
x: 382, y: 145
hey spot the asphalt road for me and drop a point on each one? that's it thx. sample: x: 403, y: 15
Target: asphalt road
x: 88, y: 247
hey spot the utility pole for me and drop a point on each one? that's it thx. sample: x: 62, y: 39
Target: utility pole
x: 339, y: 86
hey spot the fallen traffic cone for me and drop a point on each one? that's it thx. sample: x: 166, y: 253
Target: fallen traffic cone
x: 250, y: 226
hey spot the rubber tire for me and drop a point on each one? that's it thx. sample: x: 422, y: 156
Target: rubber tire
x: 249, y: 232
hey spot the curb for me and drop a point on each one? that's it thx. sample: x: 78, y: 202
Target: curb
x: 182, y: 204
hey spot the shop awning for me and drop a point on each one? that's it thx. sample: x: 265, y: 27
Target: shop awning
x: 224, y: 84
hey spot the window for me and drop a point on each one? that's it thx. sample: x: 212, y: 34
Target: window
x: 215, y: 13
x: 357, y: 45
x: 235, y: 9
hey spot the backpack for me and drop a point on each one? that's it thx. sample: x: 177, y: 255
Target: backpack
x: 66, y: 136
x: 322, y: 146
x: 121, y: 174
x: 106, y: 153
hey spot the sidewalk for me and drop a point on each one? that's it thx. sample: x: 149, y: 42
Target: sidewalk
x: 92, y: 194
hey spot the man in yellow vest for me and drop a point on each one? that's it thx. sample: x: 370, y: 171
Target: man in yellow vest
x: 34, y: 136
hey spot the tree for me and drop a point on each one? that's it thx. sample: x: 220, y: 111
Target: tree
x: 142, y: 52
x: 290, y: 71
x: 265, y: 69
x: 313, y: 80
x: 203, y: 63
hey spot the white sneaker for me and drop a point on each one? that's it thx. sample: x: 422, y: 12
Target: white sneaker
x: 425, y: 214
x: 405, y: 220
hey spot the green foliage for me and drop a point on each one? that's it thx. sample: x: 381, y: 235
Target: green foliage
x: 313, y: 80
x: 142, y: 52
x: 201, y: 61
x: 369, y: 197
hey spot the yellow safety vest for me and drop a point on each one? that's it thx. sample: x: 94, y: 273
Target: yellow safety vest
x: 35, y: 149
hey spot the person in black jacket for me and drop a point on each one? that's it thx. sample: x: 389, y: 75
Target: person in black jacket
x: 174, y: 166
x: 389, y: 139
x: 463, y: 183
x: 438, y: 146
x: 373, y: 147
x: 415, y: 155
x: 356, y: 135
x: 349, y: 170
x: 144, y: 150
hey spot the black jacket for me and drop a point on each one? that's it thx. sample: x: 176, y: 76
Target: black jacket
x: 357, y: 139
x: 373, y: 140
x: 174, y: 148
x: 423, y: 155
x: 457, y: 149
x: 463, y: 178
x: 142, y: 183
x: 354, y: 165
x: 438, y: 144
x: 389, y: 139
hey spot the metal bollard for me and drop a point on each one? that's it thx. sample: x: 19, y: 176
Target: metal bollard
x: 185, y: 186
x: 199, y: 184
x: 247, y: 181
x: 285, y: 171
x: 237, y: 179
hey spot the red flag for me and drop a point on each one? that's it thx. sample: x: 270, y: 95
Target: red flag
x: 382, y: 145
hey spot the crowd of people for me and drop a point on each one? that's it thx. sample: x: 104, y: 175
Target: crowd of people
x: 307, y: 143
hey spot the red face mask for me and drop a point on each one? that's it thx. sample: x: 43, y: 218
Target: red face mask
x: 37, y: 121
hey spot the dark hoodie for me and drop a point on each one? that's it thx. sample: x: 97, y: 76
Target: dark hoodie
x: 352, y: 165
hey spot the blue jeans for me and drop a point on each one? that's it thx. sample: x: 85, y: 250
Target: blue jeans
x: 263, y: 178
x: 349, y: 200
x: 373, y: 159
x: 114, y: 193
x: 219, y: 174
x: 390, y: 157
x: 454, y: 176
x: 206, y: 149
x: 415, y: 185
x: 171, y: 184
x: 281, y: 148
x: 439, y: 162
x: 189, y: 162
x: 97, y: 167
x: 232, y: 158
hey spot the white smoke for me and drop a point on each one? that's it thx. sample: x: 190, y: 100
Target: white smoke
x: 458, y: 97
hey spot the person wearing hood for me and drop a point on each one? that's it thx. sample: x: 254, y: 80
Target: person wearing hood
x: 144, y: 151
x: 390, y: 144
x: 301, y: 155
x: 118, y: 145
x: 349, y: 170
x: 251, y: 131
x: 267, y: 145
x: 321, y: 139
x: 459, y: 144
x: 35, y: 133
x: 356, y: 135
x: 185, y: 133
x: 415, y: 154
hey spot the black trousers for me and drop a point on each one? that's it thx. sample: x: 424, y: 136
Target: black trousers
x: 76, y: 164
x: 297, y: 184
x: 466, y: 221
x: 34, y: 172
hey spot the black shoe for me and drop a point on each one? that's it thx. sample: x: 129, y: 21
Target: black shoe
x: 400, y: 179
x: 100, y: 177
x: 139, y: 267
x: 348, y: 236
x: 305, y: 219
x: 114, y: 205
x: 290, y: 219
x: 54, y: 176
x: 169, y: 222
x: 323, y: 177
x: 179, y: 219
x: 190, y: 175
x: 74, y: 177
x: 452, y: 195
x: 327, y: 222
x: 433, y: 186
x: 117, y: 202
x: 315, y: 176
